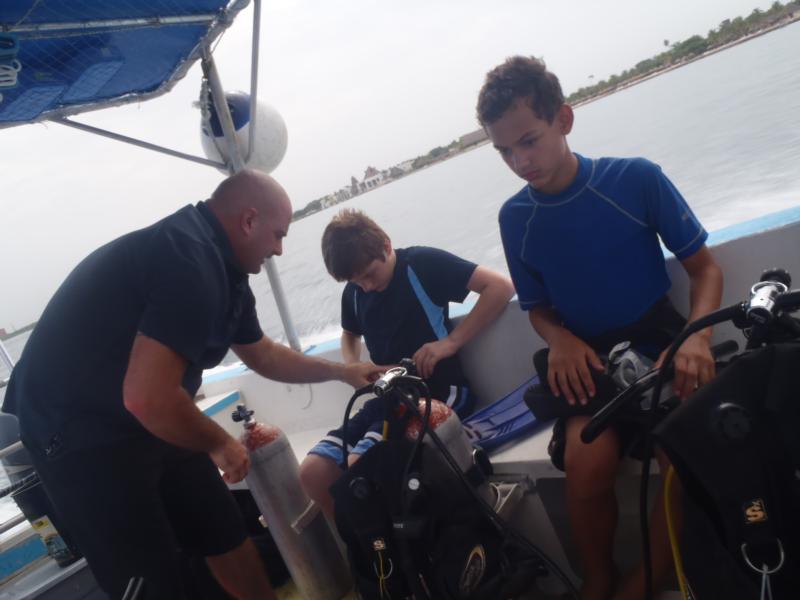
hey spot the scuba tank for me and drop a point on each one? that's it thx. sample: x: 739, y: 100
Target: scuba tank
x: 473, y: 462
x: 298, y: 527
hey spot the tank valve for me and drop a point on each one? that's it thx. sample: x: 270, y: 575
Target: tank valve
x: 242, y: 414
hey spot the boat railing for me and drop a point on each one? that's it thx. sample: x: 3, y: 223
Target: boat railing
x: 10, y: 449
x: 5, y: 357
x: 12, y: 522
x: 8, y: 361
x: 19, y: 517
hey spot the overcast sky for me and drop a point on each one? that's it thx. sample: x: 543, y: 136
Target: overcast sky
x: 358, y: 82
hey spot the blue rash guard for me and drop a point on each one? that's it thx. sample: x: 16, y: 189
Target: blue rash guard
x: 592, y: 252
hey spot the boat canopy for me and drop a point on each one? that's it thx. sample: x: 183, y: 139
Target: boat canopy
x: 63, y: 57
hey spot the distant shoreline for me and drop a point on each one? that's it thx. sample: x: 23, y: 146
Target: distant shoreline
x: 622, y: 85
x: 637, y: 80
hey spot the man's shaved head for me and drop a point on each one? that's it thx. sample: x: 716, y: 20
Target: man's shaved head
x: 247, y: 189
x: 255, y: 212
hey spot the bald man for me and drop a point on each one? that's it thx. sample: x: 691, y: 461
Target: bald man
x: 104, y: 391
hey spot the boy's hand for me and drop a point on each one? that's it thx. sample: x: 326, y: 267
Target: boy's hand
x: 431, y: 353
x: 359, y: 374
x: 694, y: 365
x: 568, y: 368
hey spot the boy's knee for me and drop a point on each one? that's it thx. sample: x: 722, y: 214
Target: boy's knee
x: 592, y: 467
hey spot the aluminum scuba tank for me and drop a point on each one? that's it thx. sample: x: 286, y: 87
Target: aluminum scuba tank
x: 445, y: 422
x: 298, y: 527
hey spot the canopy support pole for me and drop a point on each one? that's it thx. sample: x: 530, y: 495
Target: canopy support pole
x: 236, y: 163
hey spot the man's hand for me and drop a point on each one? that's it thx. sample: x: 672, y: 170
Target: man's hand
x: 232, y: 459
x: 694, y: 365
x: 360, y: 374
x: 568, y: 368
x: 431, y: 353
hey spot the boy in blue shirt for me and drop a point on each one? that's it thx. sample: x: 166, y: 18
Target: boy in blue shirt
x: 582, y: 244
x: 397, y: 299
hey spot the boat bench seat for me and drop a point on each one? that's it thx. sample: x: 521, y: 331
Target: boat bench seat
x: 302, y: 441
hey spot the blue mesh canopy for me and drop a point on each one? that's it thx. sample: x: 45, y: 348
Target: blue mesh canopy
x: 61, y: 57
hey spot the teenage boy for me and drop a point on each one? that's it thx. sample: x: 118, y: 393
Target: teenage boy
x: 397, y: 299
x: 582, y: 244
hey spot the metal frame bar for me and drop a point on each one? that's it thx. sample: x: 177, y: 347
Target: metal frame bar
x: 10, y: 449
x: 18, y: 518
x: 5, y: 356
x: 111, y: 23
x: 135, y: 142
x: 236, y: 165
x: 236, y: 162
x: 12, y: 522
x: 254, y: 74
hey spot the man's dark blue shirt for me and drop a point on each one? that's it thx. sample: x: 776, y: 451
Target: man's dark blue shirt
x: 176, y: 281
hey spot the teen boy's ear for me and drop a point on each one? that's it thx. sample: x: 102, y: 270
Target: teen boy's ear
x: 565, y: 118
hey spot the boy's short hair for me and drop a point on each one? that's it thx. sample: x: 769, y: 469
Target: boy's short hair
x: 350, y: 242
x: 523, y: 77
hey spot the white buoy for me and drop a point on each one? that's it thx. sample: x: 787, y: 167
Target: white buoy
x: 271, y: 136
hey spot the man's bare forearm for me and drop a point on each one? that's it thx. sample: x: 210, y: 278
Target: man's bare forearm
x: 281, y: 363
x: 173, y: 417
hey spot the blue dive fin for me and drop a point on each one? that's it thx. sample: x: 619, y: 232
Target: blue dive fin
x: 504, y: 420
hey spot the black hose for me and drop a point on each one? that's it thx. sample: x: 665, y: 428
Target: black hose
x: 409, y: 400
x: 357, y: 394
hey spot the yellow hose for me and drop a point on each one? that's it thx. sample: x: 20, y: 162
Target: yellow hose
x: 673, y: 535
